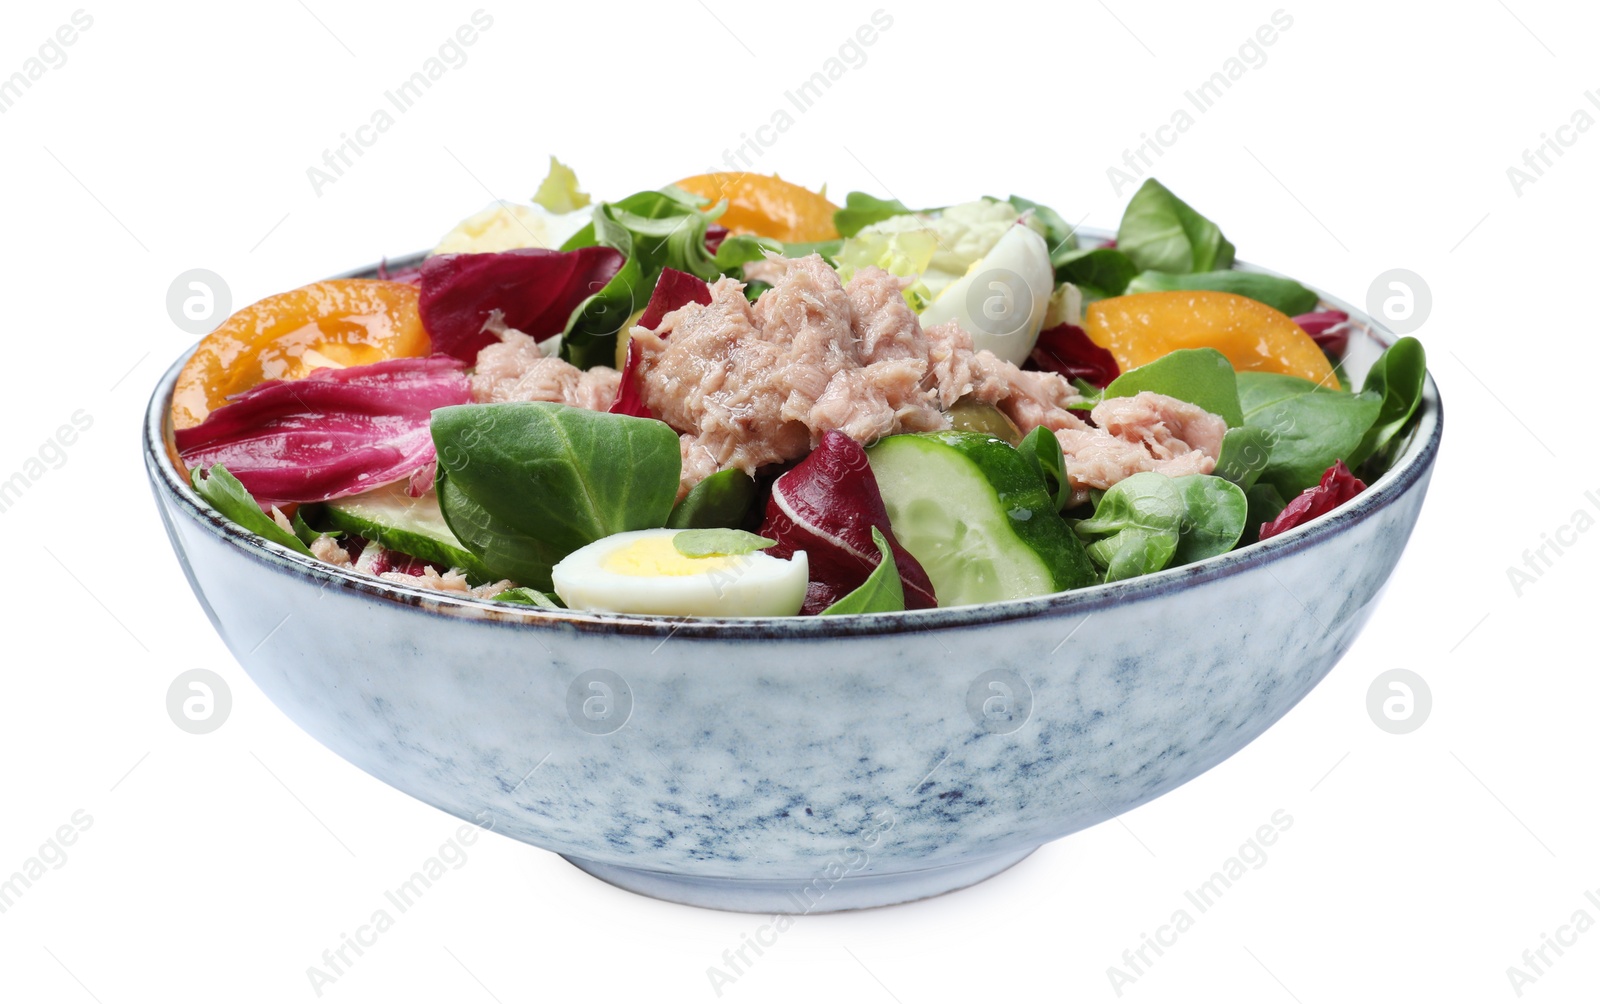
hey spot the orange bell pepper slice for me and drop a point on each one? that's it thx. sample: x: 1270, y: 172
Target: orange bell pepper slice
x: 766, y: 206
x: 1142, y: 327
x: 340, y: 322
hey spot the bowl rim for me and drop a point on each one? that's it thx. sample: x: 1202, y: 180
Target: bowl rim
x: 1412, y: 463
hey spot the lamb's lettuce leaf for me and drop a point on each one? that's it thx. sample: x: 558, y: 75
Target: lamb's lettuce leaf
x: 1276, y: 292
x: 829, y: 250
x: 717, y: 541
x: 1148, y: 522
x: 1214, y: 514
x: 1309, y: 427
x: 1202, y: 377
x: 1396, y: 377
x: 527, y: 597
x: 653, y: 230
x: 1099, y: 272
x: 1136, y: 526
x: 524, y: 484
x: 1244, y: 455
x: 1042, y: 451
x: 1160, y: 232
x: 881, y: 593
x: 723, y: 499
x: 223, y: 492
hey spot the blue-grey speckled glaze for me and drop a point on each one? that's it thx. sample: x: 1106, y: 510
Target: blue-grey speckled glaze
x: 765, y: 755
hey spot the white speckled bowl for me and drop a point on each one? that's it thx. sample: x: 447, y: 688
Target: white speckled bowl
x: 802, y: 764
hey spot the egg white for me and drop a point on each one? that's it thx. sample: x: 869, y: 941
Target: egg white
x: 505, y: 226
x: 746, y: 585
x: 1021, y: 261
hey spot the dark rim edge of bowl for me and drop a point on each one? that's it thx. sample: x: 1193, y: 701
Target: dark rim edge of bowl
x: 1413, y: 462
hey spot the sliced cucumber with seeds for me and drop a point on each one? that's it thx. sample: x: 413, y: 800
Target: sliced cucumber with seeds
x: 977, y: 517
x: 409, y: 525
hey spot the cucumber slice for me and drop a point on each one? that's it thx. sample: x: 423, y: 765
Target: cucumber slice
x: 409, y: 525
x: 978, y: 518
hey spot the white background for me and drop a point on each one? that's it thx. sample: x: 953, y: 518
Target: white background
x: 1376, y: 135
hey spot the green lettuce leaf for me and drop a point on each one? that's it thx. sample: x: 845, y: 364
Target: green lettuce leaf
x: 558, y: 192
x: 1397, y: 378
x: 883, y: 591
x: 1203, y: 377
x: 1281, y: 294
x: 530, y: 597
x: 861, y: 210
x: 1135, y: 527
x: 653, y: 230
x: 1042, y: 450
x: 1099, y: 272
x: 1162, y: 233
x: 524, y: 484
x: 936, y: 246
x: 1244, y: 455
x: 223, y: 492
x: 723, y: 499
x: 1214, y: 515
x: 1308, y: 427
x: 714, y: 541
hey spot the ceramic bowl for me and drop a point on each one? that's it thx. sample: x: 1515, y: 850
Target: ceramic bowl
x: 799, y: 765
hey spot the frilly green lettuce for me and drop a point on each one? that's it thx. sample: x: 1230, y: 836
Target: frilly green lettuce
x: 937, y: 247
x: 558, y: 192
x: 903, y: 252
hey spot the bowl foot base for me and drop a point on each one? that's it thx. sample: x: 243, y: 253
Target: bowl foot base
x: 817, y: 894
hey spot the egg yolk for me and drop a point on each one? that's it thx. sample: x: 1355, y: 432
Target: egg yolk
x: 656, y: 556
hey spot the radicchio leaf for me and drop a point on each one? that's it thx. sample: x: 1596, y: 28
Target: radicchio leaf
x: 1328, y: 328
x: 673, y: 290
x: 828, y: 506
x: 1337, y: 487
x: 337, y: 432
x: 534, y: 289
x: 412, y: 275
x: 421, y: 482
x: 384, y: 561
x: 1066, y: 349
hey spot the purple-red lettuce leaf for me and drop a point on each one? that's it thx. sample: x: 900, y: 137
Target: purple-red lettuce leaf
x: 883, y: 592
x: 534, y: 290
x: 828, y: 506
x: 412, y: 275
x: 1330, y: 329
x: 1337, y: 487
x: 1067, y: 350
x: 337, y: 432
x: 673, y: 290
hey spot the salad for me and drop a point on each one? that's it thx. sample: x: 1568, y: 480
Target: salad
x: 731, y: 397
